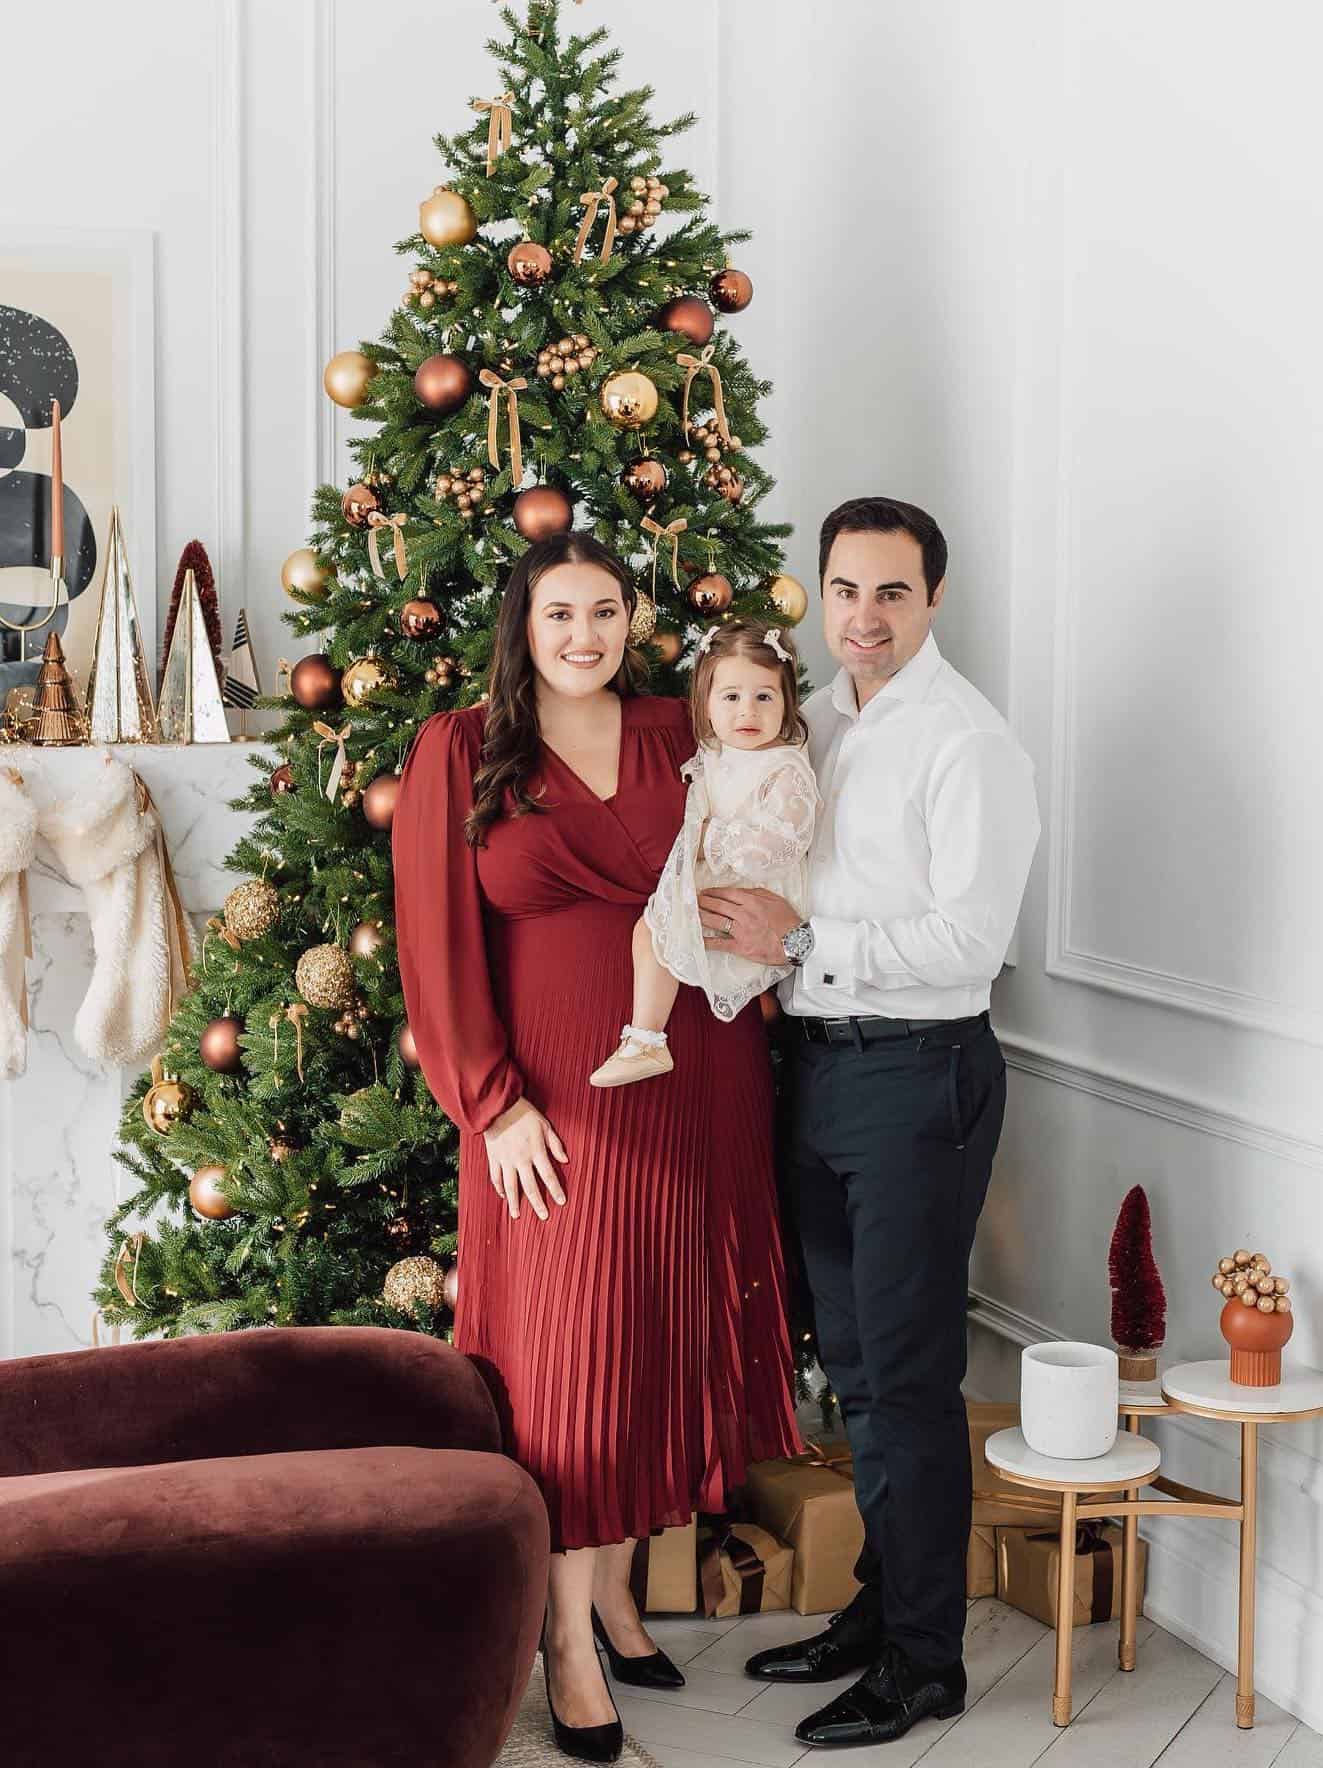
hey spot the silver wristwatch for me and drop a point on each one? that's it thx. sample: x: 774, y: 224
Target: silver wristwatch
x: 798, y: 943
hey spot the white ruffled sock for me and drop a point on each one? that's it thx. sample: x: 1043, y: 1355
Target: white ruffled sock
x: 650, y: 1040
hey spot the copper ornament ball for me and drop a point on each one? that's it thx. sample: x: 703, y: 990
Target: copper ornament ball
x: 408, y: 1048
x: 670, y: 645
x: 445, y: 218
x: 711, y: 593
x: 218, y: 1045
x: 529, y: 263
x: 365, y: 941
x: 645, y: 479
x: 301, y: 572
x: 541, y: 511
x: 420, y: 619
x: 688, y: 316
x: 206, y: 1196
x: 347, y: 377
x: 731, y: 290
x: 167, y: 1103
x: 315, y: 683
x: 357, y: 505
x: 789, y: 598
x: 442, y: 383
x: 629, y: 400
x: 379, y: 800
x: 282, y: 781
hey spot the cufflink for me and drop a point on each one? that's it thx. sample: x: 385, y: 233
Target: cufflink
x: 829, y: 979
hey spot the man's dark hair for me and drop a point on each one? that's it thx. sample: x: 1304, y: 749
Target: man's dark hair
x: 886, y: 515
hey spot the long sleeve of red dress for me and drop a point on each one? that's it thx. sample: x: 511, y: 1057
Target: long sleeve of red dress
x: 462, y: 1044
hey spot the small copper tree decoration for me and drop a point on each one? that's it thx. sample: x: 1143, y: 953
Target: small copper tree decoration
x: 1256, y: 1321
x: 1139, y: 1306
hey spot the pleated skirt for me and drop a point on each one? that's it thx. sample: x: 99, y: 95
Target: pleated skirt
x: 636, y: 1342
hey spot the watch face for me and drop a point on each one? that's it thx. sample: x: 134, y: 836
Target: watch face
x: 798, y: 943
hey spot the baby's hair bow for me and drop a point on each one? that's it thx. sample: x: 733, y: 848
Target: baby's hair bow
x: 772, y: 639
x: 704, y: 644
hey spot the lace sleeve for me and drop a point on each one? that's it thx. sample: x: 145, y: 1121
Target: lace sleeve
x: 772, y: 831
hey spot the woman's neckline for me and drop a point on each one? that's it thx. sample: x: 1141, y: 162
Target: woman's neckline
x: 559, y: 759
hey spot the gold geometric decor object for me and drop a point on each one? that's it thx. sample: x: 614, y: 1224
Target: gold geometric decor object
x: 119, y: 695
x: 190, y: 709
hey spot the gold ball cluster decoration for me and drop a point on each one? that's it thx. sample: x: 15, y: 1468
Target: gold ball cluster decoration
x: 1248, y: 1277
x: 252, y: 909
x: 646, y: 196
x: 167, y: 1103
x: 556, y: 362
x: 466, y: 490
x: 426, y: 290
x: 708, y: 438
x: 725, y: 480
x: 349, y: 792
x: 440, y: 673
x: 414, y: 1280
x: 350, y: 1022
x: 364, y: 678
x: 324, y: 976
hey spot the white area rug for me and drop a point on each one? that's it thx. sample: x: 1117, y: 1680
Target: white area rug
x: 531, y: 1745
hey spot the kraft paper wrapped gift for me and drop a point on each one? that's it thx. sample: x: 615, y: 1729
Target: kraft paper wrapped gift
x: 742, y: 1570
x: 1027, y: 1563
x: 808, y: 1502
x: 997, y: 1501
x: 981, y: 1561
x: 663, y: 1576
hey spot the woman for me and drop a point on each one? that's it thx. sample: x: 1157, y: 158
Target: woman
x: 620, y: 1273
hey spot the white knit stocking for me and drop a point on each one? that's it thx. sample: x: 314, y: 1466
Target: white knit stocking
x: 18, y: 830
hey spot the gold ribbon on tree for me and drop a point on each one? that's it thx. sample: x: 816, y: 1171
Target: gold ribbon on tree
x: 500, y: 125
x: 327, y: 735
x: 221, y: 931
x: 672, y: 532
x: 377, y: 520
x: 25, y: 917
x: 592, y: 198
x: 695, y: 365
x: 294, y: 1015
x: 126, y: 1281
x: 176, y: 926
x: 512, y: 389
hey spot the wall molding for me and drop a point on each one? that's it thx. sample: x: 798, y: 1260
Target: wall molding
x: 320, y: 256
x: 230, y: 339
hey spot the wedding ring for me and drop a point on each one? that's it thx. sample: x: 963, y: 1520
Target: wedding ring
x: 730, y: 928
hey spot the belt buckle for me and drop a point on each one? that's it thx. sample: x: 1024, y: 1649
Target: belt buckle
x: 838, y: 1031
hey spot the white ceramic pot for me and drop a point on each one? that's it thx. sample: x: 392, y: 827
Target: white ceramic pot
x: 1068, y: 1399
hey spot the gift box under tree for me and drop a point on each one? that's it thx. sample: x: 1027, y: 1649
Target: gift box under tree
x: 743, y: 1570
x: 1027, y: 1567
x: 663, y: 1575
x: 807, y: 1501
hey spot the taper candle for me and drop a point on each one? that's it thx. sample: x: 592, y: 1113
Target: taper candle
x: 57, y: 485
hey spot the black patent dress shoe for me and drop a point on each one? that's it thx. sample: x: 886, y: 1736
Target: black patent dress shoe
x: 654, y: 1671
x: 585, y: 1743
x: 851, y: 1642
x: 884, y: 1703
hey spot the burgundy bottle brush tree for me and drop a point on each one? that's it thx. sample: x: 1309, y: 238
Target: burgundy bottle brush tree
x: 1139, y: 1304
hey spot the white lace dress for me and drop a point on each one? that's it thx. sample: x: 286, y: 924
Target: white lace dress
x: 759, y: 806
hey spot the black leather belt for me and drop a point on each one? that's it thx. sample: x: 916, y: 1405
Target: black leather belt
x: 882, y: 1031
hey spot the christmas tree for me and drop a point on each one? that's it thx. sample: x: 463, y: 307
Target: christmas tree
x: 554, y: 362
x: 1139, y: 1304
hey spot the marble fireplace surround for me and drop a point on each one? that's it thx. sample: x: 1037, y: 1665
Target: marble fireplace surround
x: 58, y: 1120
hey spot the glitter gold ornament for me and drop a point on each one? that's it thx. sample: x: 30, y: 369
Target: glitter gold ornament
x: 411, y: 1281
x: 252, y: 909
x: 789, y: 598
x: 629, y: 400
x: 166, y: 1103
x: 206, y: 1195
x: 365, y: 677
x: 301, y: 572
x: 347, y: 377
x: 445, y: 218
x: 324, y: 976
x: 643, y: 621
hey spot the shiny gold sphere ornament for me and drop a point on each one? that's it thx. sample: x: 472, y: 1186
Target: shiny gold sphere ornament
x: 357, y: 505
x: 408, y: 1048
x: 529, y: 263
x: 731, y: 290
x: 252, y: 909
x: 218, y: 1045
x: 281, y: 782
x: 315, y: 683
x: 711, y: 593
x: 445, y: 218
x: 688, y: 316
x: 629, y: 400
x: 166, y: 1103
x: 442, y: 383
x: 789, y: 598
x: 670, y: 645
x: 347, y: 377
x: 420, y: 618
x: 643, y: 621
x: 301, y: 572
x: 414, y: 1280
x: 206, y: 1195
x: 365, y: 940
x: 364, y: 678
x: 380, y: 799
x: 450, y: 1287
x: 541, y: 511
x: 324, y: 976
x: 644, y: 479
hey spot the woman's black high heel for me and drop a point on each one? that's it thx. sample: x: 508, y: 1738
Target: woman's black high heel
x: 586, y: 1743
x: 654, y: 1671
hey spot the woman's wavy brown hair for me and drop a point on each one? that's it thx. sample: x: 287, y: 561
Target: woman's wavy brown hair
x: 510, y: 736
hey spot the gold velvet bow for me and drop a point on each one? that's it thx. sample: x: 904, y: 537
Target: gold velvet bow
x: 295, y: 1015
x: 376, y: 522
x: 672, y: 532
x: 327, y: 735
x: 592, y: 198
x: 695, y: 365
x: 512, y: 389
x: 500, y: 125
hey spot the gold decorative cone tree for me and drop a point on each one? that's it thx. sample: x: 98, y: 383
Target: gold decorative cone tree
x: 58, y: 719
x: 119, y: 695
x: 565, y: 352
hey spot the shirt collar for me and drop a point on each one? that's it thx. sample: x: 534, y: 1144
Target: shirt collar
x: 910, y: 683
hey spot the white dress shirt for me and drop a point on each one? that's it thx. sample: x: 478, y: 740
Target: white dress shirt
x: 922, y: 847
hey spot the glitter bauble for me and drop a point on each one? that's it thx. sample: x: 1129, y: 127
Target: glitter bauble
x: 167, y: 1103
x: 315, y: 683
x: 644, y: 479
x: 301, y: 572
x: 529, y: 263
x: 252, y: 909
x: 357, y: 505
x: 542, y: 511
x: 731, y: 291
x: 413, y: 1281
x: 629, y: 400
x: 688, y: 316
x: 206, y: 1196
x: 347, y: 377
x: 711, y: 593
x: 445, y: 218
x: 364, y: 678
x: 218, y: 1045
x: 442, y: 383
x: 420, y: 618
x: 380, y: 799
x: 643, y: 621
x: 789, y: 598
x: 324, y: 976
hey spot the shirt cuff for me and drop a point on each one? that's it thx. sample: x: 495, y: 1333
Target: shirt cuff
x: 831, y: 962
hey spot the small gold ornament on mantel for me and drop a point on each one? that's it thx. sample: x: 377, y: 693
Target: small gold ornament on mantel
x: 252, y: 909
x: 414, y: 1280
x: 58, y: 717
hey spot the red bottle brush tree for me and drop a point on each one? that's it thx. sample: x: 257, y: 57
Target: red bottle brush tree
x: 194, y: 558
x: 1139, y: 1304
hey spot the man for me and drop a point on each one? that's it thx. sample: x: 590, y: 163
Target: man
x: 897, y: 1091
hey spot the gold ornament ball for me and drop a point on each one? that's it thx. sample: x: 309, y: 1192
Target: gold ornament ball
x: 711, y: 593
x: 529, y: 263
x: 731, y: 290
x: 414, y: 1280
x: 541, y: 511
x: 364, y: 678
x: 629, y: 400
x: 347, y: 377
x: 420, y: 618
x: 670, y: 645
x: 301, y: 572
x: 324, y: 976
x: 167, y: 1103
x: 450, y: 1287
x: 1241, y: 1255
x: 218, y: 1045
x: 644, y: 479
x: 366, y: 939
x: 445, y: 218
x: 1226, y: 1266
x: 357, y: 505
x: 408, y: 1048
x: 252, y: 909
x: 315, y: 683
x: 687, y: 316
x: 789, y: 598
x: 380, y: 799
x: 442, y: 383
x: 206, y: 1196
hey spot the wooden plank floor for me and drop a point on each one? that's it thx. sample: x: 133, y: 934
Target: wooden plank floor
x: 1175, y: 1709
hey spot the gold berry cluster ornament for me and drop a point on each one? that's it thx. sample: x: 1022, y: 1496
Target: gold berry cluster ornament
x: 426, y: 289
x: 440, y: 673
x: 708, y: 438
x: 556, y: 362
x: 350, y: 1021
x: 1247, y: 1276
x: 646, y: 198
x: 725, y: 480
x: 252, y: 909
x: 414, y: 1280
x: 324, y: 976
x: 466, y: 490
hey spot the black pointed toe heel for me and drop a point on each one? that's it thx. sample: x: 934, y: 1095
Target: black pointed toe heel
x: 654, y: 1671
x: 585, y: 1743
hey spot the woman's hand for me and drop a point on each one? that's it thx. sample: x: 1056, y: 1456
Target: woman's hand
x: 520, y: 1147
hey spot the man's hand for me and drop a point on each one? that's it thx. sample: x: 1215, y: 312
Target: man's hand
x: 750, y: 923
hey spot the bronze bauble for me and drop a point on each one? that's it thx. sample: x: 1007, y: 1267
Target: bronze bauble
x: 450, y: 1287
x: 206, y: 1196
x: 399, y: 1231
x: 282, y: 781
x: 408, y: 1048
x: 711, y: 593
x: 529, y: 263
x: 219, y: 1045
x: 347, y: 377
x: 301, y: 572
x: 688, y: 316
x: 412, y: 1281
x: 670, y: 645
x: 357, y: 505
x: 445, y: 218
x: 380, y: 799
x: 730, y: 485
x: 645, y: 479
x: 315, y: 683
x: 541, y: 511
x: 420, y: 619
x: 365, y: 939
x: 280, y: 1149
x: 252, y: 909
x: 364, y: 678
x: 442, y: 383
x: 731, y: 291
x: 629, y: 399
x: 789, y: 598
x: 324, y: 976
x: 167, y: 1103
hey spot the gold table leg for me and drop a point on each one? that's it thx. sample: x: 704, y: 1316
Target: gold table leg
x: 1065, y: 1611
x: 1125, y: 1650
x: 1249, y: 1496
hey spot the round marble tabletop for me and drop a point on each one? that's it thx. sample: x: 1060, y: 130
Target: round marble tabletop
x: 1208, y: 1388
x: 1142, y: 1399
x: 1131, y: 1461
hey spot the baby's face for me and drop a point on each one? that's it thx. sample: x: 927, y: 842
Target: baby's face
x: 745, y: 703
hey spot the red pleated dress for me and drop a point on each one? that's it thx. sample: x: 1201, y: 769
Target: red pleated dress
x: 637, y: 1340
